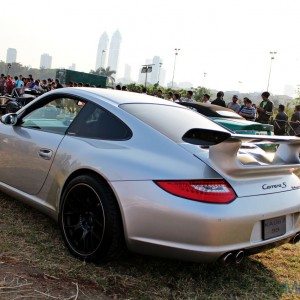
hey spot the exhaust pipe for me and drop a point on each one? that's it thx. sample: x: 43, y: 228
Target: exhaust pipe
x: 227, y: 259
x: 239, y: 257
x: 296, y: 239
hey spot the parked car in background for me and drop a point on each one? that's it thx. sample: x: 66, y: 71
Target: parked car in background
x: 230, y: 119
x: 119, y: 169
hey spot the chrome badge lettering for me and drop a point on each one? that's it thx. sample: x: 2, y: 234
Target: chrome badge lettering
x: 274, y: 186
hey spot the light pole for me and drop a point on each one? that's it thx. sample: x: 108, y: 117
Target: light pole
x: 272, y: 53
x: 176, y: 53
x: 160, y: 64
x: 103, y: 51
x: 146, y: 69
x: 8, y: 67
x: 204, y: 78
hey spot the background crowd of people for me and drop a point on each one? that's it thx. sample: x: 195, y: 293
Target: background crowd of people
x: 262, y: 113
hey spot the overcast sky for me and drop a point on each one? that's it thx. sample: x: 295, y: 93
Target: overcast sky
x: 230, y: 40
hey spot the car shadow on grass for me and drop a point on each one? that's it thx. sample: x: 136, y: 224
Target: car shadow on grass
x: 35, y: 240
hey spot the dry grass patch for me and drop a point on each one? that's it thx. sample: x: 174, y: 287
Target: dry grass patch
x: 31, y: 245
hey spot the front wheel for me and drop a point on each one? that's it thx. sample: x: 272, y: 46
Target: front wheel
x: 90, y: 220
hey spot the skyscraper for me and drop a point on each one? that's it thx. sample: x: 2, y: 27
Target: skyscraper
x: 46, y: 61
x: 11, y: 55
x: 127, y: 73
x: 114, y: 50
x: 72, y: 67
x: 162, y: 77
x: 155, y: 70
x: 101, y: 52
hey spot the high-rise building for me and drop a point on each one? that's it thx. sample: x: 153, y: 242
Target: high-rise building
x: 114, y: 50
x: 155, y: 70
x: 46, y: 61
x: 11, y: 55
x: 127, y: 73
x: 72, y: 67
x: 101, y: 52
x: 162, y: 77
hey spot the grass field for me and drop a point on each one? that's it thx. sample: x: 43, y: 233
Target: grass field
x: 34, y: 264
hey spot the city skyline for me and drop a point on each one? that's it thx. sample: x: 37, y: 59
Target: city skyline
x: 230, y: 41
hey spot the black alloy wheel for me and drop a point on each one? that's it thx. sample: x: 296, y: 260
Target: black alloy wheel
x: 90, y: 220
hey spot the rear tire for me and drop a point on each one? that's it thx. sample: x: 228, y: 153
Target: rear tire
x: 90, y: 220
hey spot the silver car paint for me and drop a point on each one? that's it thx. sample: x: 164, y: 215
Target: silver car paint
x: 156, y: 222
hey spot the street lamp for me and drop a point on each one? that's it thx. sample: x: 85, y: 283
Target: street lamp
x: 204, y: 78
x: 146, y: 69
x: 272, y: 54
x: 176, y: 53
x: 103, y: 51
x: 160, y: 64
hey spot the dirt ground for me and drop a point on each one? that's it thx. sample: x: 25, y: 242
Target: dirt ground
x: 19, y: 280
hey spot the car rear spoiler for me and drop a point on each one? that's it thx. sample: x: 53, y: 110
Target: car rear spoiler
x: 223, y: 154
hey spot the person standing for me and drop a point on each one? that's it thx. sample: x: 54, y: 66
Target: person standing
x: 295, y: 122
x: 248, y: 111
x: 205, y: 99
x: 2, y: 84
x: 19, y: 85
x: 265, y: 109
x: 188, y: 97
x: 219, y: 100
x: 234, y: 105
x: 280, y: 121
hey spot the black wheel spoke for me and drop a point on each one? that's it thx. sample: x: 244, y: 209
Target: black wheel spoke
x: 83, y: 219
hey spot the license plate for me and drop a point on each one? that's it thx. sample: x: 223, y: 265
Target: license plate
x: 274, y: 227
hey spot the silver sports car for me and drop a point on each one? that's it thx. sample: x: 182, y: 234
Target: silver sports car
x: 119, y: 169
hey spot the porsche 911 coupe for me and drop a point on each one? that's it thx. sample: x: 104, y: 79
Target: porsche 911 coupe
x: 124, y: 170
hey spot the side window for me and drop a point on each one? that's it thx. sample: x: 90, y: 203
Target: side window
x: 97, y: 123
x: 55, y: 116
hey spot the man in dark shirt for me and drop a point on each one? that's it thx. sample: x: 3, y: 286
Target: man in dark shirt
x: 265, y: 109
x: 280, y: 121
x: 295, y: 122
x: 219, y: 101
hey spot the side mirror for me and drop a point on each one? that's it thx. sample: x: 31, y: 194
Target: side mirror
x: 9, y: 119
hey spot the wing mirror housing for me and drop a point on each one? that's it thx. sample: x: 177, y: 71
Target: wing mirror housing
x: 9, y: 119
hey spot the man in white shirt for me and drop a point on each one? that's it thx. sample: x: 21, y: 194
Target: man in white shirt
x: 205, y: 99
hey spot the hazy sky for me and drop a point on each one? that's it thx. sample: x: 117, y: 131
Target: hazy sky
x: 230, y: 40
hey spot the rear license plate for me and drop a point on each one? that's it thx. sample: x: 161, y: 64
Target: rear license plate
x: 274, y: 227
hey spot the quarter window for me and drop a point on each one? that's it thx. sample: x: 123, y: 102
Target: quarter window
x: 97, y: 123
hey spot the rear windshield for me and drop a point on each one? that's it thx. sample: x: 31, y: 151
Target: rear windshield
x: 172, y: 121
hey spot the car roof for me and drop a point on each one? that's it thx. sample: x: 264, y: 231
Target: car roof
x: 115, y: 96
x: 210, y: 110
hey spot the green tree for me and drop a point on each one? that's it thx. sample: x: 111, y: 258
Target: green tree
x: 199, y: 93
x: 105, y: 72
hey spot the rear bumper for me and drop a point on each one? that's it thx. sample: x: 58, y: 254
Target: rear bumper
x: 161, y: 224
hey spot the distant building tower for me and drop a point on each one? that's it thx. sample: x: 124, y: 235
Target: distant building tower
x: 155, y: 70
x: 127, y: 73
x: 11, y: 55
x: 162, y: 77
x: 114, y: 50
x: 46, y: 61
x: 72, y: 67
x: 101, y: 52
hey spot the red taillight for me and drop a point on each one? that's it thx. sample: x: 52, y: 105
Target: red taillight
x: 210, y: 190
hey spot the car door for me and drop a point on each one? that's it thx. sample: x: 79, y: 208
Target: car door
x: 27, y: 149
